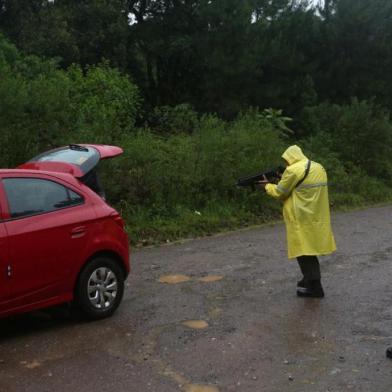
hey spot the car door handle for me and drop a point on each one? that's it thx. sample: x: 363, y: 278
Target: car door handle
x: 78, y: 232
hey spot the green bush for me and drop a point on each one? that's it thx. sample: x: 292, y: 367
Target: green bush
x: 349, y: 184
x: 42, y: 106
x: 173, y: 119
x: 193, y: 170
x: 184, y: 184
x: 359, y: 133
x: 34, y: 111
x: 105, y: 104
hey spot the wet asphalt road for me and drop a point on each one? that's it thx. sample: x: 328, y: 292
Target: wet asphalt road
x: 253, y: 333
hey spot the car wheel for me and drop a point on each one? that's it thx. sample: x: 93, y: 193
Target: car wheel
x: 100, y: 288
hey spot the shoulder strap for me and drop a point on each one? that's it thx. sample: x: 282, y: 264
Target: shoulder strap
x: 306, y: 174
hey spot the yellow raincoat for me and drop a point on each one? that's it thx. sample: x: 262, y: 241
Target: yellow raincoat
x: 306, y: 207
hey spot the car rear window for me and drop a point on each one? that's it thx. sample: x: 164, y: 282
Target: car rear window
x: 30, y: 196
x: 84, y: 157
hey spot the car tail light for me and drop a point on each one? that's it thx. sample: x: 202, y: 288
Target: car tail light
x: 117, y: 218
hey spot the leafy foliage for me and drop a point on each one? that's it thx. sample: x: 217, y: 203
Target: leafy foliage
x: 42, y: 106
x: 359, y: 133
x: 220, y: 56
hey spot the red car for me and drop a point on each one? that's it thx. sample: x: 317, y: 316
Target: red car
x: 59, y: 240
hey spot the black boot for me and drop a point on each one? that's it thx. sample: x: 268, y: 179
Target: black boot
x: 312, y: 289
x: 302, y: 283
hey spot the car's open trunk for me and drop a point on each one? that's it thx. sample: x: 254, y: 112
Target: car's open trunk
x: 80, y: 160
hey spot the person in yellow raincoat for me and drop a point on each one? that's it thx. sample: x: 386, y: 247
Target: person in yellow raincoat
x: 303, y: 189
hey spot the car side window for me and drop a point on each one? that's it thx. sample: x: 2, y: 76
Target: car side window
x: 30, y: 196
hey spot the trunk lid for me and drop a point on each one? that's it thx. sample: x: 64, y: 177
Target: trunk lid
x: 75, y: 159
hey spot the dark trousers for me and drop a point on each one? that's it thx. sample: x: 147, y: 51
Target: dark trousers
x: 310, y: 267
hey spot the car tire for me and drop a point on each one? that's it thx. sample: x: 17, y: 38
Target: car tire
x: 100, y: 288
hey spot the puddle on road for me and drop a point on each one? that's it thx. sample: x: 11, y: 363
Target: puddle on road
x: 210, y: 278
x: 31, y: 365
x: 195, y: 324
x: 178, y: 378
x: 174, y: 279
x: 185, y: 384
x: 200, y: 388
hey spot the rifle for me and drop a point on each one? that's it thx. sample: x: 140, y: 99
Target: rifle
x: 271, y: 175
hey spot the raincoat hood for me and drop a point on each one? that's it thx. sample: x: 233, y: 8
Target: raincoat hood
x: 293, y: 154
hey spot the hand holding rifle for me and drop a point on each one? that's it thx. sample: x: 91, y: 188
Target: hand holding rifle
x: 263, y: 182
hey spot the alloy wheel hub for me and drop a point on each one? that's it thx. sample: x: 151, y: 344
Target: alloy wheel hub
x: 102, y: 288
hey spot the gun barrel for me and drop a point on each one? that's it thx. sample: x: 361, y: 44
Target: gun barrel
x: 250, y: 180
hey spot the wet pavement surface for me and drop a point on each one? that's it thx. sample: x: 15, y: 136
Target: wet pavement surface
x: 221, y: 314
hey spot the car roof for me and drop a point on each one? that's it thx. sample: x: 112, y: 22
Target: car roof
x: 41, y: 173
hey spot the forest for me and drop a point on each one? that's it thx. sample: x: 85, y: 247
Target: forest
x: 199, y: 93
